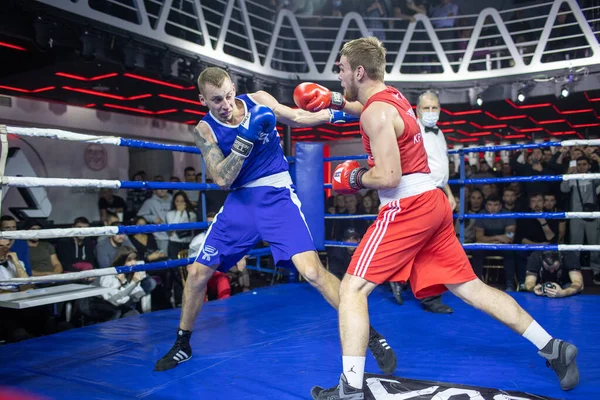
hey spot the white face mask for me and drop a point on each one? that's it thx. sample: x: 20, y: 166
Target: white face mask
x: 429, y: 119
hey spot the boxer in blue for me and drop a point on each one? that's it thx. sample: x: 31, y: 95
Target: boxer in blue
x: 240, y: 145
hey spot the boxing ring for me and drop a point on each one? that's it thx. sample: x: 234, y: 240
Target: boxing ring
x: 279, y: 341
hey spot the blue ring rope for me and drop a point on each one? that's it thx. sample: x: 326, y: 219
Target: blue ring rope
x: 142, y: 144
x: 177, y: 263
x: 346, y: 158
x: 517, y: 215
x: 471, y: 246
x: 463, y: 150
x: 151, y: 228
x: 541, y: 178
x: 504, y: 147
x: 168, y: 185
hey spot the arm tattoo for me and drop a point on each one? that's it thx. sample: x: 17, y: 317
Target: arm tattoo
x: 224, y: 170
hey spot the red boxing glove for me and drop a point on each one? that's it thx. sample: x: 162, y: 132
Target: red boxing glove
x: 347, y: 177
x: 312, y: 97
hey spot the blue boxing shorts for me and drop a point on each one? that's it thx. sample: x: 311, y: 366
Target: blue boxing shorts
x: 249, y: 215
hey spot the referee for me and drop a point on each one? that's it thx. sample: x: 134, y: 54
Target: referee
x: 428, y: 113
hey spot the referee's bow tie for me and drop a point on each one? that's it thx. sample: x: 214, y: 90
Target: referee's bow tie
x: 434, y: 129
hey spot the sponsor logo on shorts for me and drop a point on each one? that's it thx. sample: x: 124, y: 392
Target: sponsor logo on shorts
x: 208, y: 252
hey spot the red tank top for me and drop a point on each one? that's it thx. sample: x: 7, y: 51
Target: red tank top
x: 412, y: 151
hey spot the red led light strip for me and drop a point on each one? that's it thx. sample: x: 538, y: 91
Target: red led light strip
x: 165, y: 96
x: 591, y: 99
x: 42, y: 89
x: 158, y: 82
x: 107, y: 95
x: 467, y: 112
x: 83, y: 78
x: 12, y: 46
x: 527, y: 106
x: 187, y: 110
x: 142, y: 111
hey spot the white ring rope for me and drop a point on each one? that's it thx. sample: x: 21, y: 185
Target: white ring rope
x: 63, y: 135
x: 27, y: 182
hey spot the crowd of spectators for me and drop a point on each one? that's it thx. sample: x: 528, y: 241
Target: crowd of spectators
x: 34, y: 257
x: 492, y: 198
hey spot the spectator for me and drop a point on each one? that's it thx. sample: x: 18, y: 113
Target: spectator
x: 554, y: 274
x: 239, y: 276
x: 107, y: 246
x: 407, y: 9
x: 155, y: 210
x: 126, y: 290
x: 583, y: 197
x: 218, y: 286
x: 214, y: 199
x: 532, y: 165
x: 339, y: 257
x: 109, y: 202
x: 340, y: 204
x: 330, y: 205
x: 174, y: 179
x: 9, y: 223
x: 181, y: 212
x: 340, y: 225
x: 10, y: 267
x: 443, y: 17
x: 189, y: 174
x: 145, y: 245
x: 14, y: 323
x: 495, y: 231
x: 374, y: 15
x: 136, y: 197
x: 509, y: 199
x: 374, y: 196
x: 110, y: 218
x: 522, y: 202
x: 533, y: 231
x: 77, y: 253
x: 489, y: 189
x: 452, y: 172
x: 557, y: 225
x: 475, y: 206
x: 484, y: 172
x: 43, y: 256
x: 536, y: 231
x: 367, y: 205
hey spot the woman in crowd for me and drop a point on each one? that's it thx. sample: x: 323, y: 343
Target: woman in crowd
x: 126, y: 290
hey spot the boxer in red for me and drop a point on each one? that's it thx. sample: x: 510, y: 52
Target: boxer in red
x: 413, y: 237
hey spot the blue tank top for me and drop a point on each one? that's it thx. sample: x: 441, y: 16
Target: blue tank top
x: 267, y: 156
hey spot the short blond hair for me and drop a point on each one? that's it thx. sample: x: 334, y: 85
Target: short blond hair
x: 212, y: 75
x: 368, y: 52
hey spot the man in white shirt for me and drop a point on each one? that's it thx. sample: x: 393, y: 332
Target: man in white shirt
x: 428, y: 113
x: 10, y: 266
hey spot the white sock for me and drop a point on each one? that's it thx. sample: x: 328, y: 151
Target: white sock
x: 537, y: 335
x: 354, y: 370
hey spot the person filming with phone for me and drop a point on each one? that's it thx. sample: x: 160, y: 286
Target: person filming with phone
x: 583, y: 197
x: 554, y: 274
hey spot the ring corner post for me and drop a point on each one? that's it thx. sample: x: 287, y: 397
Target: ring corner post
x: 3, y: 158
x: 309, y: 184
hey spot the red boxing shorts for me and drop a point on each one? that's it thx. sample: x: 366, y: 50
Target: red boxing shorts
x: 413, y: 239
